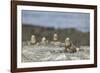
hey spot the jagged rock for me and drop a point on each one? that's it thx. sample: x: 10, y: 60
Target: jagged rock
x: 35, y: 53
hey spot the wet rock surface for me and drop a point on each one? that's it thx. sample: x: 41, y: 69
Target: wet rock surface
x: 40, y: 53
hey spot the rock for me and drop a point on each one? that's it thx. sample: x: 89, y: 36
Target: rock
x: 61, y: 57
x: 46, y: 53
x: 74, y: 58
x: 56, y: 43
